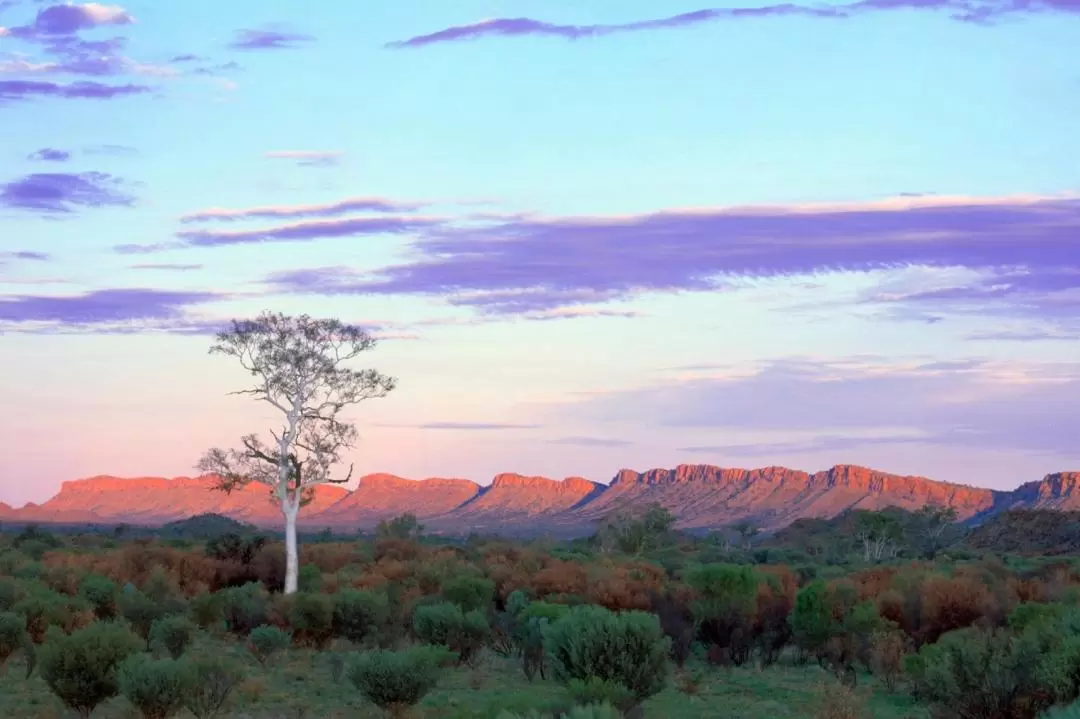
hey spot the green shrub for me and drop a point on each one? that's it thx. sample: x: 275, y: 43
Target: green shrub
x: 206, y: 609
x: 464, y: 633
x: 1071, y: 711
x: 975, y: 673
x: 309, y: 579
x: 812, y: 620
x: 725, y: 608
x: 13, y: 637
x: 140, y: 610
x: 156, y: 687
x: 9, y: 593
x: 470, y: 593
x: 172, y: 634
x: 100, y: 593
x: 358, y: 615
x: 397, y: 680
x: 597, y: 691
x: 543, y: 610
x: 80, y: 668
x: 213, y: 679
x: 592, y: 642
x: 311, y: 617
x: 44, y: 608
x: 244, y: 608
x: 516, y: 602
x: 266, y: 642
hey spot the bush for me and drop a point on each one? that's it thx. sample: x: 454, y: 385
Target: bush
x: 244, y: 608
x: 206, y: 609
x: 13, y: 637
x: 80, y: 668
x: 266, y: 642
x: 592, y: 642
x: 213, y: 680
x: 397, y: 680
x: 100, y: 593
x: 598, y: 691
x: 311, y: 617
x: 44, y: 608
x: 156, y: 687
x: 725, y: 607
x: 173, y: 634
x: 464, y: 633
x: 976, y: 673
x: 140, y: 610
x: 470, y: 593
x: 358, y: 615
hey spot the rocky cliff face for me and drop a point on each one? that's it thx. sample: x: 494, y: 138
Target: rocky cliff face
x: 700, y: 496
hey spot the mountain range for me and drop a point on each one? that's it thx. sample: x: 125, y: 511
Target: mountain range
x: 701, y: 497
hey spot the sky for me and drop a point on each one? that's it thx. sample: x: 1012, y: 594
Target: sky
x: 588, y: 236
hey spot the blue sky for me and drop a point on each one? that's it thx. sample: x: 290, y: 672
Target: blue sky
x: 605, y: 236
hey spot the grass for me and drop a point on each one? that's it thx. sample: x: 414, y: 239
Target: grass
x: 301, y: 686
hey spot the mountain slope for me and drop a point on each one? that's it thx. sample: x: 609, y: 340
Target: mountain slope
x: 700, y: 496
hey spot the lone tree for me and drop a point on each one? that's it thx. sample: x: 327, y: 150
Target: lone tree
x: 298, y: 366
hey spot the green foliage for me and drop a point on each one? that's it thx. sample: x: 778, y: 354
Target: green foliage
x: 405, y: 526
x: 443, y: 623
x: 172, y: 634
x: 725, y: 608
x: 358, y: 615
x: 637, y: 533
x: 207, y: 609
x: 13, y: 637
x: 596, y: 691
x: 156, y: 687
x: 311, y: 617
x: 100, y: 593
x: 266, y: 642
x: 628, y: 649
x: 80, y: 668
x: 140, y: 610
x: 309, y: 578
x: 812, y: 619
x: 469, y: 593
x: 397, y: 680
x: 44, y: 608
x: 517, y: 602
x: 9, y: 593
x: 244, y: 608
x: 1071, y: 711
x: 975, y: 673
x: 213, y: 679
x: 543, y: 610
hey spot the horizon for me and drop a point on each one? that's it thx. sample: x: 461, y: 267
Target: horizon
x: 585, y: 237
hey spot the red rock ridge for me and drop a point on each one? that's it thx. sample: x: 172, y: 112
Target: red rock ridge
x: 381, y: 496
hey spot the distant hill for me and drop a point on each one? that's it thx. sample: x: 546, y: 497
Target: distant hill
x: 1028, y: 531
x: 206, y: 526
x: 702, y: 497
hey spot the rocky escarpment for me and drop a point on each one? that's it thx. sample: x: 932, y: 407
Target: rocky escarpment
x: 700, y: 496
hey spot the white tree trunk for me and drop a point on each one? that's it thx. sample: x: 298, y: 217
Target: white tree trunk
x: 291, y: 509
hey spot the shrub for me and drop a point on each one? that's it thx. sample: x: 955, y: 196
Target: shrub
x: 469, y: 593
x: 140, y: 610
x: 80, y: 668
x: 464, y: 633
x: 244, y: 608
x: 725, y: 607
x: 599, y: 691
x: 213, y: 679
x: 592, y: 642
x: 206, y: 609
x: 358, y: 614
x: 812, y: 619
x: 976, y: 673
x: 266, y: 642
x: 13, y: 637
x: 887, y: 657
x: 156, y: 687
x: 397, y: 680
x: 173, y: 634
x: 44, y: 608
x: 516, y: 602
x: 311, y: 617
x: 100, y: 593
x: 1072, y: 711
x: 309, y: 578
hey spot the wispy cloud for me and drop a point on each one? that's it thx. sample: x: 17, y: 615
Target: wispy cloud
x: 101, y: 306
x: 69, y: 19
x: 311, y: 230
x: 268, y: 39
x: 969, y: 11
x: 309, y: 158
x: 49, y: 154
x: 64, y: 192
x: 332, y: 209
x: 14, y: 90
x: 171, y: 266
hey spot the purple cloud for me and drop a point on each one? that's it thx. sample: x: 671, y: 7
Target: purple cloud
x: 102, y: 306
x: 543, y: 264
x: 70, y: 18
x: 6, y: 256
x: 306, y: 231
x: 268, y: 40
x: 334, y: 209
x: 48, y: 154
x: 27, y: 89
x: 591, y: 442
x: 179, y: 59
x: 468, y: 426
x: 173, y: 266
x: 840, y: 404
x: 64, y: 192
x: 972, y: 11
x: 133, y: 249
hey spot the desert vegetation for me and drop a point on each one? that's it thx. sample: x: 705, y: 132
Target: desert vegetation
x: 637, y: 620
